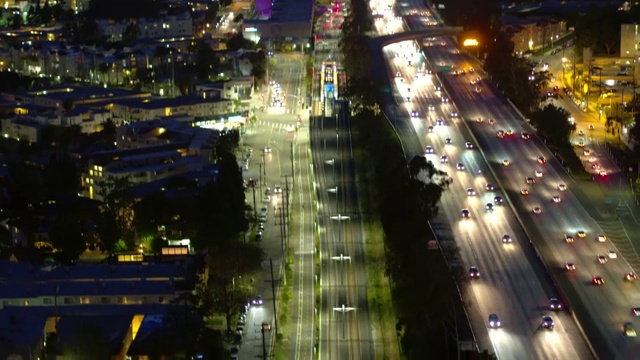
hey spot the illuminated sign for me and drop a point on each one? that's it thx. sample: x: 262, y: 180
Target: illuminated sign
x: 470, y: 42
x: 250, y: 29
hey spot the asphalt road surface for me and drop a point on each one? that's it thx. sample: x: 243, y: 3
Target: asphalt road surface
x: 510, y: 285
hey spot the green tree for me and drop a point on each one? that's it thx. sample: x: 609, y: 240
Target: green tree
x: 108, y: 230
x: 238, y: 41
x: 87, y: 342
x: 61, y: 176
x: 130, y: 35
x: 116, y: 195
x: 553, y: 123
x: 206, y: 60
x: 428, y: 183
x: 67, y: 235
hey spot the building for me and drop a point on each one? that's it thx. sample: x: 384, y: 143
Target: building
x: 168, y: 27
x: 284, y: 20
x: 236, y: 88
x: 530, y: 34
x: 630, y: 40
x: 132, y: 110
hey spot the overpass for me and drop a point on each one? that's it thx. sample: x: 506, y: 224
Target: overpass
x: 378, y: 64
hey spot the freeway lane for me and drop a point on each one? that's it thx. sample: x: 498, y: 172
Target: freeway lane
x: 509, y: 286
x: 608, y: 305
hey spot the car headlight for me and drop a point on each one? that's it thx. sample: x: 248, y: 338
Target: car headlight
x: 491, y: 323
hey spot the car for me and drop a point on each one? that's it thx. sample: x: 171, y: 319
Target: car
x: 444, y: 159
x: 454, y: 114
x: 470, y: 70
x: 241, y: 320
x: 430, y: 129
x: 581, y: 144
x: 525, y: 136
x: 597, y: 280
x: 602, y: 259
x: 480, y: 120
x: 581, y: 133
x: 569, y: 266
x: 398, y: 74
x: 524, y: 192
x: 568, y: 238
x: 529, y: 180
x: 595, y: 166
x: 472, y: 81
x: 602, y: 173
x: 506, y: 239
x: 262, y: 218
x: 478, y: 90
x: 267, y: 150
x: 494, y: 322
x: 415, y: 114
x: 460, y: 166
x: 581, y: 234
x: 555, y: 304
x: 468, y: 145
x: 547, y: 322
x: 506, y: 162
x: 277, y: 189
x: 237, y: 339
x: 265, y: 326
x: 261, y: 226
x: 465, y: 213
x: 586, y: 152
x: 498, y: 200
x: 489, y: 207
x: 492, y: 122
x: 500, y: 134
x: 537, y: 210
x: 538, y: 173
x: 266, y: 199
x: 448, y: 141
x: 471, y: 192
x: 508, y: 132
x: 631, y: 276
x: 592, y: 159
x: 556, y: 199
x: 542, y: 160
x: 445, y: 99
x: 257, y: 300
x: 629, y: 330
x: 431, y: 108
x: 428, y: 149
x: 437, y: 88
x: 439, y: 122
x: 601, y: 238
x: 612, y: 254
x: 461, y: 72
x: 562, y: 187
x: 407, y: 99
x: 489, y: 187
x: 474, y: 273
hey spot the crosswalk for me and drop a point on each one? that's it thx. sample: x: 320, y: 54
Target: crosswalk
x: 288, y: 127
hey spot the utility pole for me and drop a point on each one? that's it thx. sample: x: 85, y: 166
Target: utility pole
x: 282, y: 229
x: 264, y: 345
x: 273, y: 291
x: 260, y: 179
x: 255, y: 205
x: 286, y: 196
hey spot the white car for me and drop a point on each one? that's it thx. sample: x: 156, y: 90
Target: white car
x: 562, y: 187
x: 612, y: 254
x: 602, y: 259
x: 556, y: 199
x: 471, y: 192
x: 537, y: 210
x: 538, y: 173
x: 602, y: 238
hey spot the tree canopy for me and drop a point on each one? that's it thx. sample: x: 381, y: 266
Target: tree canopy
x: 553, y: 123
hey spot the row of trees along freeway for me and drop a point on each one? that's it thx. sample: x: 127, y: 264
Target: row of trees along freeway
x: 425, y: 298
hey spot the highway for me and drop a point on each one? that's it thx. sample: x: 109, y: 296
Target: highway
x: 603, y: 309
x: 510, y: 285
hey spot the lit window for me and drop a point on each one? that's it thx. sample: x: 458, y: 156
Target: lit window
x: 26, y: 303
x: 84, y: 300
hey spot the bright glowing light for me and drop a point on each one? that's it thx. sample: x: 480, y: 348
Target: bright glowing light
x: 470, y: 42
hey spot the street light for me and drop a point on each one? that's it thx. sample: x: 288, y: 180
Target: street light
x: 332, y: 162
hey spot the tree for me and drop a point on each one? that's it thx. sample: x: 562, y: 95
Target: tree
x: 116, y: 195
x: 108, y: 230
x: 206, y: 60
x: 238, y: 41
x: 227, y: 143
x: 67, y: 235
x: 428, y: 183
x: 87, y: 342
x: 5, y: 238
x: 553, y: 123
x: 61, y: 176
x: 130, y: 35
